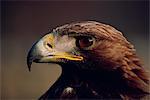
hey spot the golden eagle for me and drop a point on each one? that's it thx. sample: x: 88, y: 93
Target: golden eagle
x: 97, y: 62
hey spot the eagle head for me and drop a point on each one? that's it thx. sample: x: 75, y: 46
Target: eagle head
x: 89, y: 49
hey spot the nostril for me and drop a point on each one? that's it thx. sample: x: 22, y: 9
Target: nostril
x: 49, y: 45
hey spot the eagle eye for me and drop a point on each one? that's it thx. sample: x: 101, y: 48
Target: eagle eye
x: 84, y: 42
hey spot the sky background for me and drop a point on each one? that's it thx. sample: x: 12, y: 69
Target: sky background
x: 23, y: 23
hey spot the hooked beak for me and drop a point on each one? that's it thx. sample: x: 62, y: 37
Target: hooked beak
x: 44, y: 51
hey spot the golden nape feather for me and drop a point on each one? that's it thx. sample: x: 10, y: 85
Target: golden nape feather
x: 97, y: 62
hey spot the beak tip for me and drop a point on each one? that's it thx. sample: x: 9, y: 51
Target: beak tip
x: 29, y: 66
x: 29, y: 59
x: 29, y: 69
x: 29, y: 62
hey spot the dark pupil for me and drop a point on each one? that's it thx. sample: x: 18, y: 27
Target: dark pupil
x: 84, y: 42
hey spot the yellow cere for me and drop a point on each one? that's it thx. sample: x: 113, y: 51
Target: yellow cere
x: 49, y: 38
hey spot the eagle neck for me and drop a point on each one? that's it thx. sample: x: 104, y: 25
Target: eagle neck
x: 71, y: 75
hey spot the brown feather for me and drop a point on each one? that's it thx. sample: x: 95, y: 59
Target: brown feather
x: 114, y: 53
